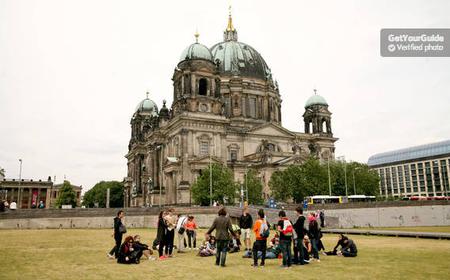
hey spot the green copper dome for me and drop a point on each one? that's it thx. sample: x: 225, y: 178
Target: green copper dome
x: 316, y: 100
x: 196, y: 51
x: 237, y: 58
x: 147, y: 106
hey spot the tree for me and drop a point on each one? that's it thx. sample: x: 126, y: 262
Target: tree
x: 97, y: 194
x: 2, y: 172
x: 254, y: 187
x: 67, y: 195
x: 280, y: 190
x: 311, y: 178
x: 223, y: 186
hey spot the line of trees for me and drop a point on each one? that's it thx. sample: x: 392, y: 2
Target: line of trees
x: 224, y: 189
x: 311, y: 178
x: 293, y: 183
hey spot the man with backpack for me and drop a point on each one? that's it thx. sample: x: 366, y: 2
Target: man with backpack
x: 285, y: 229
x: 262, y: 232
x: 299, y: 228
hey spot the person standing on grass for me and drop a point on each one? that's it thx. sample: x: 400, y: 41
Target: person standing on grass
x: 261, y: 230
x: 191, y: 228
x: 222, y: 225
x: 119, y: 230
x: 322, y: 218
x: 246, y: 223
x: 314, y: 235
x: 171, y: 222
x: 161, y: 235
x: 285, y: 229
x: 181, y: 232
x: 299, y: 228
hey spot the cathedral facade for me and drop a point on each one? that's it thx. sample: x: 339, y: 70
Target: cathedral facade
x: 226, y: 109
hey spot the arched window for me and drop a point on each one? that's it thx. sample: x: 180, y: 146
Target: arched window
x: 202, y: 86
x: 324, y: 126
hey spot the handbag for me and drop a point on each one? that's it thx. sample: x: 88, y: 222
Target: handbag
x: 122, y: 229
x: 181, y: 230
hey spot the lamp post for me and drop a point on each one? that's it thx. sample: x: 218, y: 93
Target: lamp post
x: 329, y: 175
x: 354, y: 185
x: 160, y: 174
x: 19, y: 196
x: 342, y: 158
x: 210, y: 174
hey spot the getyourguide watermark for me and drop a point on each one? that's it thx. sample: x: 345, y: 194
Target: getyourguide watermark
x: 415, y: 42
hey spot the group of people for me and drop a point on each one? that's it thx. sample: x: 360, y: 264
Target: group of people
x: 296, y: 242
x: 4, y: 205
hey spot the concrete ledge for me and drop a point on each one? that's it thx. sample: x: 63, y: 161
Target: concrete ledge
x: 395, y: 233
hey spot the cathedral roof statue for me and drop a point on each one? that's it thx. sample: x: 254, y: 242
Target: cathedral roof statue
x: 196, y: 51
x: 147, y: 106
x: 237, y: 58
x: 315, y: 100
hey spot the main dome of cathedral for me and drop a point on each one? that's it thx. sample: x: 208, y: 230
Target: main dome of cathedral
x: 237, y: 58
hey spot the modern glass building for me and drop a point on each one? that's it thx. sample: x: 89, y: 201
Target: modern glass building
x: 416, y: 171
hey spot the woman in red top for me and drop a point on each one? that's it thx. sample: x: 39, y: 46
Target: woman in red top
x: 191, y: 227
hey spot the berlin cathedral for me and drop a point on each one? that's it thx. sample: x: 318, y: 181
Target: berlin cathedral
x: 227, y: 110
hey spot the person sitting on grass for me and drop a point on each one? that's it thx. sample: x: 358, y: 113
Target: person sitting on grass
x: 340, y: 243
x: 235, y: 243
x: 208, y: 248
x: 127, y: 255
x: 274, y: 251
x: 307, y: 249
x: 348, y: 249
x: 138, y: 246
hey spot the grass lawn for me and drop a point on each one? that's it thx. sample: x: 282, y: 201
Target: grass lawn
x: 445, y: 229
x: 81, y: 254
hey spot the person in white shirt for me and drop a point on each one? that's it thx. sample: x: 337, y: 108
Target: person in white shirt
x: 181, y: 232
x: 13, y: 206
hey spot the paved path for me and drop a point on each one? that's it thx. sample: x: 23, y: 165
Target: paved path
x: 396, y: 233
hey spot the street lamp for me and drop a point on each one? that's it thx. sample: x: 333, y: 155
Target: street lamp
x: 342, y: 158
x: 159, y: 148
x: 329, y: 175
x: 354, y: 185
x: 210, y: 174
x: 19, y: 197
x: 246, y: 185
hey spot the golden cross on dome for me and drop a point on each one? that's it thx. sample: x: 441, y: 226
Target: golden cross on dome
x: 147, y: 93
x: 230, y: 26
x: 315, y: 91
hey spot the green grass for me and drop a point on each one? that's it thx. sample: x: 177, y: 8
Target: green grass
x: 81, y: 254
x: 445, y: 229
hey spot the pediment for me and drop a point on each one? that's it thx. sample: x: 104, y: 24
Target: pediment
x: 271, y: 130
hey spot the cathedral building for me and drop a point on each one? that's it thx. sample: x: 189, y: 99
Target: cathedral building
x: 226, y: 109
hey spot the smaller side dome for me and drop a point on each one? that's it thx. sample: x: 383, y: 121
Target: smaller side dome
x: 196, y: 51
x: 316, y: 100
x: 147, y: 106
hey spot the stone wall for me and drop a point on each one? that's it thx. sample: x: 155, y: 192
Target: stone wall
x: 430, y: 215
x: 434, y: 215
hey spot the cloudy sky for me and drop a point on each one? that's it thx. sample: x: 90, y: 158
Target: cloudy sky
x: 72, y: 72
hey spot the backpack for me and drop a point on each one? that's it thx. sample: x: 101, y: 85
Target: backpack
x: 287, y: 228
x: 264, y: 231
